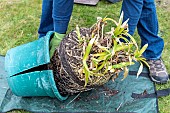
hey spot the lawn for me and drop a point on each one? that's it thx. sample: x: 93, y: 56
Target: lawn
x: 19, y: 22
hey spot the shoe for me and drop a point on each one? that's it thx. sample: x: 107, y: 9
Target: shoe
x: 157, y: 71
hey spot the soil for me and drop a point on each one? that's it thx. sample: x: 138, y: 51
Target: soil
x: 66, y: 75
x: 62, y: 83
x: 67, y: 63
x: 66, y: 80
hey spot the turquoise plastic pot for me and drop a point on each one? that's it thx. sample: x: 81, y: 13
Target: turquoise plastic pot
x: 24, y: 77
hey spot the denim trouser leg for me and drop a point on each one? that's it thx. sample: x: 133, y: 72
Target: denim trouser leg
x: 46, y: 23
x: 55, y: 16
x: 142, y: 14
x: 61, y: 14
x: 148, y: 31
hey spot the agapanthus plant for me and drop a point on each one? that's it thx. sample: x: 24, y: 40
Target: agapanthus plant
x: 89, y: 57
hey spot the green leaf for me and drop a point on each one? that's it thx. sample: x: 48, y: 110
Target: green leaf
x: 140, y: 69
x: 133, y: 40
x: 116, y: 32
x: 119, y: 29
x: 78, y: 34
x: 85, y: 57
x: 88, y: 48
x: 121, y: 47
x: 104, y: 57
x: 143, y: 49
x: 122, y: 64
x: 101, y: 58
x: 125, y: 39
x: 104, y: 48
x: 95, y: 60
x: 139, y: 53
x: 130, y: 59
x: 100, y: 54
x: 124, y: 25
x: 114, y: 47
x: 144, y: 61
x: 100, y: 67
x: 87, y: 74
x: 126, y: 71
x: 110, y: 19
x: 121, y: 18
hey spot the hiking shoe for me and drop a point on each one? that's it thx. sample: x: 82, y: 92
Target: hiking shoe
x: 158, y: 71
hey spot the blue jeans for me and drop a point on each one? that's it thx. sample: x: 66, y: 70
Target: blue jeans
x: 142, y: 15
x: 55, y: 16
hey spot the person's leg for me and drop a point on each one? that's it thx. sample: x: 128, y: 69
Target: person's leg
x: 132, y: 9
x: 55, y: 16
x: 62, y: 10
x: 46, y: 23
x: 142, y: 13
x: 148, y: 31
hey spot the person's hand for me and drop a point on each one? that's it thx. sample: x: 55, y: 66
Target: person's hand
x: 55, y: 41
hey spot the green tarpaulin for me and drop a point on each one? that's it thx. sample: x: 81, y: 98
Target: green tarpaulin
x: 112, y: 97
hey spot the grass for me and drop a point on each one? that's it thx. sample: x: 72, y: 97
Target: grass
x: 19, y: 22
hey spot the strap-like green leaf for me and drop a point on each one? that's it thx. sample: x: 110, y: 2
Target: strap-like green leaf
x: 122, y: 64
x: 104, y: 48
x: 133, y: 40
x: 140, y: 69
x: 100, y: 54
x: 85, y: 57
x: 143, y: 49
x: 126, y: 71
x: 78, y: 34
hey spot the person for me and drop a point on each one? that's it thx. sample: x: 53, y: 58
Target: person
x: 142, y: 15
x: 55, y: 17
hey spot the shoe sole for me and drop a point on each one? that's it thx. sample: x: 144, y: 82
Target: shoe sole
x: 159, y: 82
